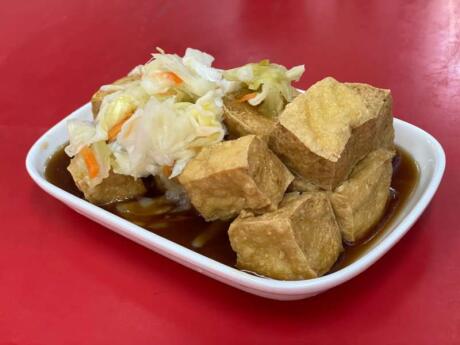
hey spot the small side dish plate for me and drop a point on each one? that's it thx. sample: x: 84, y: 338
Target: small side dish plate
x: 426, y: 151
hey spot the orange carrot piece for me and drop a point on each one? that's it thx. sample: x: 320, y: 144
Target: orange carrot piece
x: 167, y: 170
x: 113, y: 132
x: 247, y: 97
x: 91, y: 162
x: 171, y: 76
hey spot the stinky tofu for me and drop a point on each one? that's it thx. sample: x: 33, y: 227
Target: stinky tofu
x: 242, y: 119
x: 299, y: 184
x: 300, y: 240
x: 324, y: 132
x: 113, y: 188
x: 380, y: 102
x: 360, y: 202
x: 235, y: 175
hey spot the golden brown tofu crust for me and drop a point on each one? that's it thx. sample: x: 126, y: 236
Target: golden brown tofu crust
x: 242, y: 119
x: 377, y: 132
x: 231, y: 176
x: 299, y: 184
x: 114, y: 188
x: 360, y: 202
x: 300, y: 240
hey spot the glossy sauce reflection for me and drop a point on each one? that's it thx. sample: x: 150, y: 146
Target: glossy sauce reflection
x: 183, y: 228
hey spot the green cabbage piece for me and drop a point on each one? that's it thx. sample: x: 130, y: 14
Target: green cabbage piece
x: 271, y: 81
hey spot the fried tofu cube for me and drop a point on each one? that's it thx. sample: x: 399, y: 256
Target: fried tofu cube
x: 360, y: 202
x: 113, y: 188
x: 299, y: 184
x: 324, y: 132
x: 98, y: 97
x: 235, y: 175
x: 300, y: 240
x: 242, y: 119
x: 380, y: 102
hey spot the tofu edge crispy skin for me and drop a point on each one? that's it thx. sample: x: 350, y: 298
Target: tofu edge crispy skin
x: 242, y: 119
x: 114, y: 188
x: 220, y: 186
x: 299, y: 184
x: 374, y: 133
x: 270, y: 174
x: 360, y: 202
x: 300, y: 240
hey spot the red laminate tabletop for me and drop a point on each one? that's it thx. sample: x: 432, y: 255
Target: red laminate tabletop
x: 67, y: 280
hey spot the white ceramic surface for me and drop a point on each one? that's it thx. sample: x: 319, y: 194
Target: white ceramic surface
x: 427, y: 152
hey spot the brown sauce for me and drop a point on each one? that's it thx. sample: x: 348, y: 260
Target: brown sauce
x: 184, y: 227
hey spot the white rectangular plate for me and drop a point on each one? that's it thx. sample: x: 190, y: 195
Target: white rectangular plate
x: 426, y: 151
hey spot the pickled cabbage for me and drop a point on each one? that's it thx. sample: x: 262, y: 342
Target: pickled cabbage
x: 272, y: 83
x: 168, y: 111
x: 165, y: 133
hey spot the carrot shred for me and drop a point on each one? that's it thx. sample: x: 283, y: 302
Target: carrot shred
x: 171, y: 76
x: 113, y: 132
x: 167, y: 170
x: 247, y: 97
x: 91, y: 162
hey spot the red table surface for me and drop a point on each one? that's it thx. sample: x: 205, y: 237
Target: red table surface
x: 67, y: 280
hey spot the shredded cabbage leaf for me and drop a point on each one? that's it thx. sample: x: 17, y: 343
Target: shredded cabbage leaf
x: 167, y: 111
x: 165, y: 133
x: 79, y: 170
x: 187, y: 78
x: 271, y: 81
